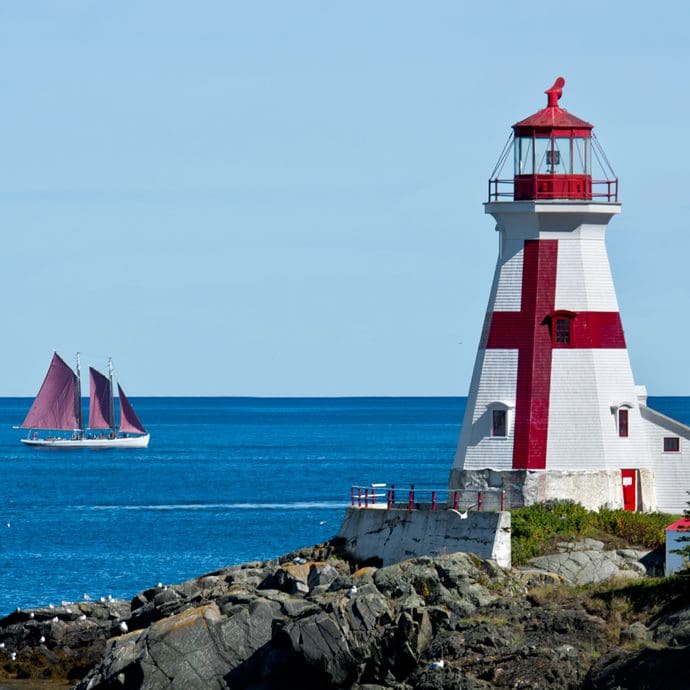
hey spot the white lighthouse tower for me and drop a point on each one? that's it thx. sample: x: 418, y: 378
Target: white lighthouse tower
x: 553, y: 410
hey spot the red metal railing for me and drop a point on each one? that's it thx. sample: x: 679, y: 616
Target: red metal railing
x: 461, y: 500
x: 504, y: 189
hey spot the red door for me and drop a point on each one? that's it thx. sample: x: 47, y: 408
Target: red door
x: 629, y: 489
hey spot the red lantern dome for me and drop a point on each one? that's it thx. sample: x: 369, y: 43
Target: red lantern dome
x: 553, y: 157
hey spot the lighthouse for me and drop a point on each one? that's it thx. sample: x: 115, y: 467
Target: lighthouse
x: 553, y: 411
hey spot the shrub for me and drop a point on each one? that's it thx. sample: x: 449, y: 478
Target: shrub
x: 535, y: 526
x: 641, y: 529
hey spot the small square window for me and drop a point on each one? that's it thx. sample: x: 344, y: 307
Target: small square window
x: 671, y: 444
x: 623, y: 422
x: 499, y: 423
x: 563, y: 331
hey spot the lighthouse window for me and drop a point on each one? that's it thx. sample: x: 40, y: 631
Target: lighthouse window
x: 524, y: 156
x: 623, y: 422
x: 561, y: 146
x: 562, y: 334
x: 671, y: 444
x: 498, y: 423
x: 581, y: 156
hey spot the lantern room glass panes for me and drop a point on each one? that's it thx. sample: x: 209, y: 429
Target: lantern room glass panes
x: 552, y: 155
x: 524, y: 158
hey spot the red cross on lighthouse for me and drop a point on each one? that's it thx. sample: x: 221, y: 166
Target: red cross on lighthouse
x: 531, y: 332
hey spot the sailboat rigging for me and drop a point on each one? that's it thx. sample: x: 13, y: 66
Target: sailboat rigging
x: 57, y: 408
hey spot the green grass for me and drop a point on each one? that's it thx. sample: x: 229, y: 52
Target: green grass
x: 536, y: 527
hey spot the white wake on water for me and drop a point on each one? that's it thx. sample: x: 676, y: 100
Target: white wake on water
x: 298, y: 505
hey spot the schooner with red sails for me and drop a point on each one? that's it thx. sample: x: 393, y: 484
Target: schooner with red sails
x: 57, y: 410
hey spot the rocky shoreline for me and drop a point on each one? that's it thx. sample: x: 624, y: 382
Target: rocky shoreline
x: 311, y: 619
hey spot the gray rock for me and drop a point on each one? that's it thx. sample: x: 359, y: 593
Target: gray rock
x: 585, y: 544
x: 585, y: 567
x: 636, y: 632
x: 672, y: 629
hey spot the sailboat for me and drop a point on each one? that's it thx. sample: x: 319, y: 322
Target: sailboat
x: 57, y: 408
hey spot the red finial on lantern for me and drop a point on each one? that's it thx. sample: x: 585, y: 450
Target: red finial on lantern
x: 555, y: 92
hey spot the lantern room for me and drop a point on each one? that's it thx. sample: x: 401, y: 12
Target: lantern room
x: 553, y: 152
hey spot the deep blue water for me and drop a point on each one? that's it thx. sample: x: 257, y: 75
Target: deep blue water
x: 224, y: 481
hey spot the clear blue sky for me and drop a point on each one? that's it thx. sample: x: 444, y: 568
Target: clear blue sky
x: 285, y: 198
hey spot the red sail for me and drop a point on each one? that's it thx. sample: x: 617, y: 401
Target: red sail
x: 57, y: 404
x: 99, y: 403
x: 129, y: 422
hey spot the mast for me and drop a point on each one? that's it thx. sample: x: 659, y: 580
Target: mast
x: 111, y: 400
x: 77, y: 402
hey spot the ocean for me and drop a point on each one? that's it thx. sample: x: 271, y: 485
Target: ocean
x: 224, y: 481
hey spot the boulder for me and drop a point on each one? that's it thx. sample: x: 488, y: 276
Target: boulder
x: 585, y: 566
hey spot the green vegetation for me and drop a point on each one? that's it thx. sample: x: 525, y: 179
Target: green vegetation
x: 619, y: 603
x: 536, y: 527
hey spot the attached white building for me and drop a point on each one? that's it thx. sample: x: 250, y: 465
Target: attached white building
x: 677, y: 537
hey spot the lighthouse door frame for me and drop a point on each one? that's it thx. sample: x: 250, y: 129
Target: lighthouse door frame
x: 629, y: 481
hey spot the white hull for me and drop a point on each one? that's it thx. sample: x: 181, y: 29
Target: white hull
x: 120, y: 442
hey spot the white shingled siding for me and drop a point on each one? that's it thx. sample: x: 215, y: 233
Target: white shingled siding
x: 583, y: 277
x: 494, y: 381
x: 671, y: 470
x: 587, y: 386
x: 495, y: 374
x: 508, y: 296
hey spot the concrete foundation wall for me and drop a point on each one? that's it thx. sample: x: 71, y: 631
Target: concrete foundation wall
x: 396, y: 535
x: 591, y: 488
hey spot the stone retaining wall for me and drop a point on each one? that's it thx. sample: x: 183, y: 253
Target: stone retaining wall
x: 395, y: 535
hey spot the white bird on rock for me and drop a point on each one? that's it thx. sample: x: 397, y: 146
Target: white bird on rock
x: 41, y: 639
x: 123, y: 627
x: 352, y: 591
x: 437, y: 665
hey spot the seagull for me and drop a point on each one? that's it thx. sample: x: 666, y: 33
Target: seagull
x: 8, y: 524
x: 13, y: 656
x: 31, y: 615
x: 50, y: 606
x: 437, y: 665
x: 102, y: 600
x: 159, y: 585
x: 352, y: 591
x: 41, y: 639
x: 323, y: 522
x: 55, y: 619
x: 86, y: 597
x: 299, y: 560
x: 462, y: 516
x: 110, y: 597
x: 123, y: 627
x: 2, y: 645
